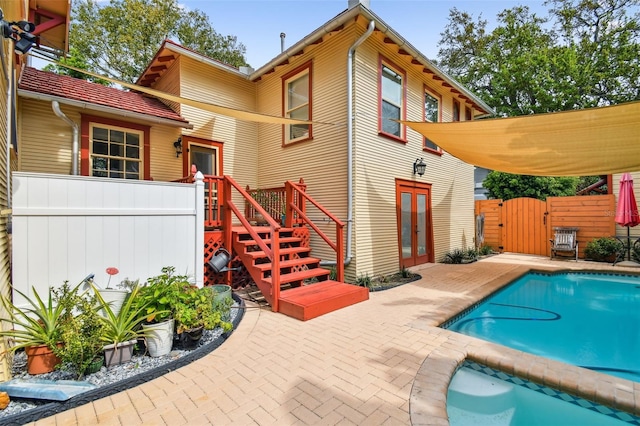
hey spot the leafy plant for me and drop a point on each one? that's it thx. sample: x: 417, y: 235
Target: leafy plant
x: 603, y: 249
x: 404, y: 272
x: 364, y: 280
x: 333, y: 273
x: 160, y: 294
x: 36, y: 325
x: 485, y: 250
x: 81, y: 328
x: 454, y: 256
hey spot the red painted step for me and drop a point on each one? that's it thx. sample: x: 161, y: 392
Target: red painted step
x: 311, y: 301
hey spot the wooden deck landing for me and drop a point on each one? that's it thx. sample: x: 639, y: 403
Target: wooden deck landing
x: 310, y: 301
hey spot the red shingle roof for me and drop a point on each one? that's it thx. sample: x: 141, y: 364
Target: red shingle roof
x: 34, y: 80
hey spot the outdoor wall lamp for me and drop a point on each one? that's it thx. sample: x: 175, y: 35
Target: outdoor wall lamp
x: 178, y: 146
x: 21, y: 35
x: 419, y: 167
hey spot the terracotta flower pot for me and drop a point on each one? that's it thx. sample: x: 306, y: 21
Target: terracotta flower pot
x: 41, y: 359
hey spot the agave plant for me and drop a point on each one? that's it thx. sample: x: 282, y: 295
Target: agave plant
x: 124, y: 325
x: 36, y: 325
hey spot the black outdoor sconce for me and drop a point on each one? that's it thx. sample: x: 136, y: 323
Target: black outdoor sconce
x: 178, y: 146
x: 419, y: 167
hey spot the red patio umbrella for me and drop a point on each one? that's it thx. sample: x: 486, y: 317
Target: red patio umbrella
x: 627, y: 211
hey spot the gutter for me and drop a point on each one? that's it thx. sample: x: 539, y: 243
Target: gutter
x: 75, y: 145
x: 109, y: 110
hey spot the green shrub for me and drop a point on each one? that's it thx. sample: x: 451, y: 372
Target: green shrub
x: 460, y: 256
x: 364, y: 281
x: 485, y: 250
x: 603, y: 249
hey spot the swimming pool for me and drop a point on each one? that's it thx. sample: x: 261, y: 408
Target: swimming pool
x: 582, y: 318
x: 479, y: 395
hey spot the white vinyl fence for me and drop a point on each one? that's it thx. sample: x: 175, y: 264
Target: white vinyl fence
x: 67, y: 227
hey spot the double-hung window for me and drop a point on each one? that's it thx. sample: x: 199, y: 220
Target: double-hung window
x: 431, y: 115
x: 392, y: 100
x: 297, y: 103
x: 115, y: 152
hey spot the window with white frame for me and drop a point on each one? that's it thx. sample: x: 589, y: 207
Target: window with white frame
x: 115, y: 152
x: 297, y: 103
x: 391, y: 100
x: 432, y: 115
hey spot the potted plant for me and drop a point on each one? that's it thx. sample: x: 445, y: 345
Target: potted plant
x: 604, y: 249
x: 196, y: 311
x: 36, y: 330
x: 121, y: 329
x: 81, y: 329
x: 158, y: 296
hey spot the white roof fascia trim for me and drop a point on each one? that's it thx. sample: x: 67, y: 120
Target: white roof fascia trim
x: 200, y: 58
x: 110, y: 110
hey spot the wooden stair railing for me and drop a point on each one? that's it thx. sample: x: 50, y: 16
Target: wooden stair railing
x: 275, y: 255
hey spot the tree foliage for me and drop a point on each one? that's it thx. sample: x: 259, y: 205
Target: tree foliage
x: 507, y: 186
x: 119, y: 39
x: 585, y: 53
x: 76, y: 60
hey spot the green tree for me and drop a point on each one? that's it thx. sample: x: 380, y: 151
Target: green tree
x: 586, y: 53
x: 507, y: 186
x: 76, y: 60
x: 119, y: 39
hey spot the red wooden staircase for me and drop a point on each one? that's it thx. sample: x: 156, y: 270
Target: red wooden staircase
x: 300, y: 288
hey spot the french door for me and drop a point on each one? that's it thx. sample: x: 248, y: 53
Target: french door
x: 415, y: 230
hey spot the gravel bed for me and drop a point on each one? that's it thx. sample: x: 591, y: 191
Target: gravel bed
x: 113, y: 379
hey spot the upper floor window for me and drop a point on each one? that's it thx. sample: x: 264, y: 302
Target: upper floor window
x: 297, y: 103
x: 432, y: 115
x: 392, y: 100
x: 467, y: 114
x: 115, y: 152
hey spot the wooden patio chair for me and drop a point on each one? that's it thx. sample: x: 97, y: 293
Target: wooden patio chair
x: 564, y: 242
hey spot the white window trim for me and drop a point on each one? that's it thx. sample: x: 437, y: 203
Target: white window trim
x: 126, y: 130
x: 287, y: 110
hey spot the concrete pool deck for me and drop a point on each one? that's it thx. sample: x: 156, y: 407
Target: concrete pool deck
x: 380, y: 362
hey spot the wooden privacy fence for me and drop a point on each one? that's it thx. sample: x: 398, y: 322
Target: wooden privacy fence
x: 525, y: 225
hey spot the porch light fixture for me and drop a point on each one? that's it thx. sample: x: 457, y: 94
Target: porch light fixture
x: 419, y: 167
x: 19, y: 32
x: 178, y: 146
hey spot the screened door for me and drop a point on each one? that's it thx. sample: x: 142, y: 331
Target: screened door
x: 415, y: 233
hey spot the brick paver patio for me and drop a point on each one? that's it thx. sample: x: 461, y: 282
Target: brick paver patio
x: 380, y: 362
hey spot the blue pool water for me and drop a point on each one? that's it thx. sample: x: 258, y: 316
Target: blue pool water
x: 479, y: 395
x: 590, y: 320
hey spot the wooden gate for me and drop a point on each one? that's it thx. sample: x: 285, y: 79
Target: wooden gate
x: 524, y: 226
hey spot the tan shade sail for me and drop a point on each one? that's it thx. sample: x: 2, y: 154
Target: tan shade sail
x: 594, y: 141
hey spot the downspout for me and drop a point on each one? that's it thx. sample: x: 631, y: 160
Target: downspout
x: 350, y: 118
x: 75, y: 145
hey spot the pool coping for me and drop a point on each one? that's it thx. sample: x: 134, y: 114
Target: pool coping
x: 428, y: 405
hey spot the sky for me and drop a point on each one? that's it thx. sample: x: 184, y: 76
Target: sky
x: 258, y: 23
